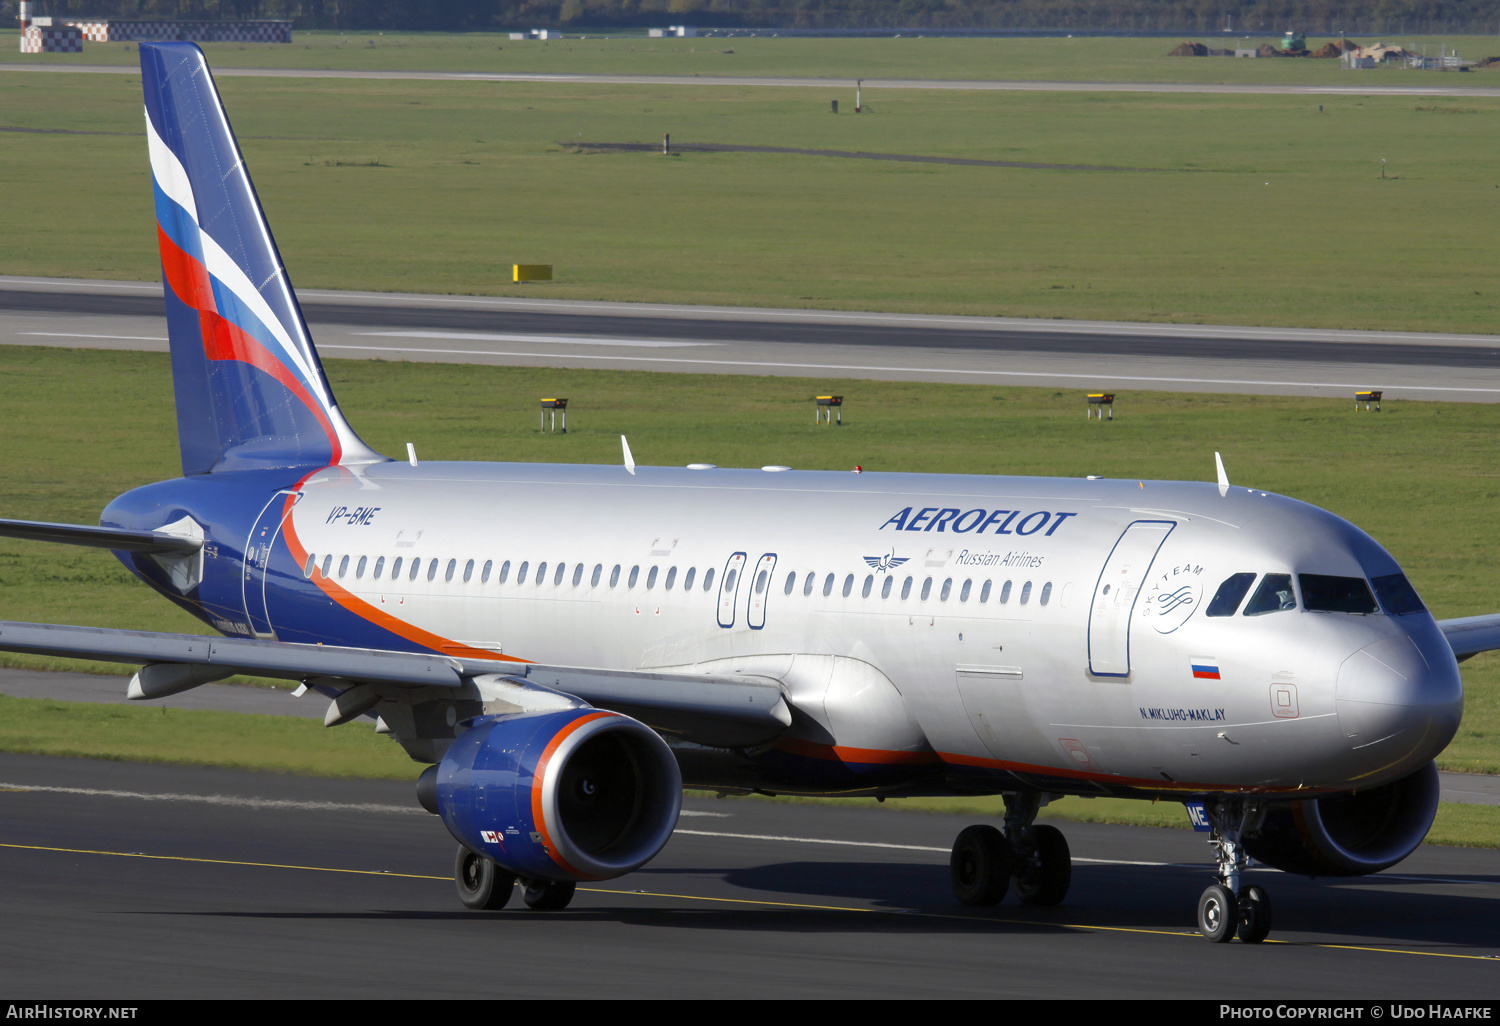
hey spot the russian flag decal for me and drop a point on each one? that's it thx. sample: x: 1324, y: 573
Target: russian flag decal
x: 1205, y: 668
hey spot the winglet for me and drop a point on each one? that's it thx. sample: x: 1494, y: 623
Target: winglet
x: 1223, y: 477
x: 629, y: 459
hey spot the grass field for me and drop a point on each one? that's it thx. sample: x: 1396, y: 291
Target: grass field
x: 1073, y: 60
x: 1239, y: 209
x: 1421, y: 477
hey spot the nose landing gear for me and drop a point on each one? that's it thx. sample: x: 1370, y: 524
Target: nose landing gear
x: 1226, y: 909
x: 985, y: 861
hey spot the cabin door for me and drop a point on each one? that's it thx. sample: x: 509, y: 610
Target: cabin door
x: 1115, y: 595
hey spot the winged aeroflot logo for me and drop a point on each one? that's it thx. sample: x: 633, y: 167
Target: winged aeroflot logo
x: 885, y: 563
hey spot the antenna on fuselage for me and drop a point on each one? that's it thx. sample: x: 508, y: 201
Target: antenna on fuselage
x: 1223, y: 477
x: 629, y: 459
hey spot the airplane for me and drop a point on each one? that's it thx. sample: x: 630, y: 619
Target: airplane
x: 565, y: 648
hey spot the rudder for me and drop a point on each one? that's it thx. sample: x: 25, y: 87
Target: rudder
x: 250, y: 389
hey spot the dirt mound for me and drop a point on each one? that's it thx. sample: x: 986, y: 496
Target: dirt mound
x: 1327, y: 50
x: 1489, y: 62
x: 1267, y: 50
x: 1189, y: 50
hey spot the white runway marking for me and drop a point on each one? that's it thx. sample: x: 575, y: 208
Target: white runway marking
x: 883, y: 844
x: 562, y: 340
x: 123, y: 338
x: 962, y: 372
x: 222, y: 799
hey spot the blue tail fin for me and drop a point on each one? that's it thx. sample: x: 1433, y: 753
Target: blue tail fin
x: 250, y: 390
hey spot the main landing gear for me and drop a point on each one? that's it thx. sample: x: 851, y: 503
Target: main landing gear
x: 485, y: 886
x: 985, y: 861
x: 1227, y: 909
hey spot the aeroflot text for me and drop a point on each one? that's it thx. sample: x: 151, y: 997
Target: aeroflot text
x: 936, y: 518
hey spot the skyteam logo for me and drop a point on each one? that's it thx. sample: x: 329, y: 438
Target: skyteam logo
x: 885, y: 564
x: 1172, y: 596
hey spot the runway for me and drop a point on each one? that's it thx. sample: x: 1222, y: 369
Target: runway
x: 800, y: 82
x: 802, y: 343
x: 138, y: 881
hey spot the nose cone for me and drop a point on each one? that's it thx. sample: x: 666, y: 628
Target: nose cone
x: 1401, y: 698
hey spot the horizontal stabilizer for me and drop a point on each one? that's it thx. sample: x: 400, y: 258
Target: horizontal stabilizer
x: 1471, y: 635
x: 114, y: 538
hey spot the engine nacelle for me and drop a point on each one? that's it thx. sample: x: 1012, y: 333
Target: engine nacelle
x: 1349, y: 834
x: 578, y: 794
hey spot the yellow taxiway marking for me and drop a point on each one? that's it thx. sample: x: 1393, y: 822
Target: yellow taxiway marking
x: 731, y: 901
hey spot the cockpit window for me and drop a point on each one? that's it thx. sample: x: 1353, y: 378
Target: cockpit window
x: 1231, y: 592
x: 1273, y: 595
x: 1324, y: 594
x: 1396, y: 594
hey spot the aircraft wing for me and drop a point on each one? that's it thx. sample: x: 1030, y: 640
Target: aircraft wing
x: 118, y: 539
x: 1471, y: 635
x: 707, y: 709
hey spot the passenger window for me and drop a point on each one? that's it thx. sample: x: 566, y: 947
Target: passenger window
x: 687, y: 580
x: 1025, y: 592
x: 926, y: 588
x: 869, y: 585
x: 1227, y: 599
x: 906, y: 589
x: 432, y: 569
x: 468, y: 571
x: 708, y: 579
x: 1273, y: 595
x: 541, y: 573
x: 963, y: 593
x: 614, y: 576
x: 947, y: 590
x: 807, y: 585
x: 885, y: 589
x: 504, y: 572
x: 635, y: 575
x: 416, y: 565
x: 1324, y: 594
x: 848, y: 585
x: 598, y: 573
x: 448, y: 574
x: 343, y: 567
x: 1046, y: 592
x: 670, y: 574
x: 521, y: 572
x: 312, y: 561
x: 828, y: 585
x: 760, y: 582
x: 791, y: 582
x: 484, y: 575
x: 1005, y: 593
x: 327, y: 565
x: 651, y: 578
x: 557, y: 578
x: 984, y: 593
x: 359, y: 568
x: 379, y: 566
x: 1397, y: 596
x: 396, y: 568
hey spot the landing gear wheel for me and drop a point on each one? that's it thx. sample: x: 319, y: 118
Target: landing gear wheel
x: 481, y: 884
x: 980, y: 866
x: 1255, y: 915
x: 1048, y: 883
x: 1218, y: 914
x: 548, y: 895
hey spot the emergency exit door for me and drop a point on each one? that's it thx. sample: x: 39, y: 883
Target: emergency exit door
x: 1116, y: 592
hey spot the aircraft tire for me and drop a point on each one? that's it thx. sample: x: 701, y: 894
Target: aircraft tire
x: 1218, y: 914
x: 481, y: 884
x: 1049, y: 886
x: 980, y: 866
x: 1255, y: 915
x: 548, y: 895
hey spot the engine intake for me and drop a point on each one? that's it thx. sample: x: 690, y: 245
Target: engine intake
x: 1349, y: 834
x: 578, y: 794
